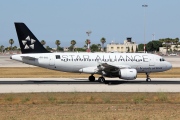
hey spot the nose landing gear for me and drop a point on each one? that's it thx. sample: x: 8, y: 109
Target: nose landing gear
x: 147, y: 77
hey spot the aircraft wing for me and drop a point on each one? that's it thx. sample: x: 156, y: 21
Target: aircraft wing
x: 103, y: 67
x: 109, y: 68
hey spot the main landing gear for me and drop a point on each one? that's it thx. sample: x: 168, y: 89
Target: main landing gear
x: 147, y: 77
x: 100, y: 79
x: 91, y: 78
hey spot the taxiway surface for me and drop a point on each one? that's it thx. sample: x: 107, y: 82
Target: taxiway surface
x: 25, y: 85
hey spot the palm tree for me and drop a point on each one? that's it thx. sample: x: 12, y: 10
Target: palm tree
x: 11, y: 41
x: 57, y: 43
x: 99, y: 47
x: 85, y: 46
x: 73, y: 42
x: 86, y: 42
x: 176, y: 40
x: 103, y: 40
x: 168, y: 42
x: 43, y: 42
x: 2, y: 48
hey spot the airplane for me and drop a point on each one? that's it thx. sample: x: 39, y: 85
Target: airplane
x: 122, y: 65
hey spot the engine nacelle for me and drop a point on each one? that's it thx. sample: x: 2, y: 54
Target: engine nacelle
x: 128, y: 74
x: 91, y: 70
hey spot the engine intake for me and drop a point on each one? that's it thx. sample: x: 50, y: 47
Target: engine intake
x: 128, y: 74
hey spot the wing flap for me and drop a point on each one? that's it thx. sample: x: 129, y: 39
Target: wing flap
x: 109, y: 67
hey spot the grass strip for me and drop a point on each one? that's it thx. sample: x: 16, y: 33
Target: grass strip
x: 37, y: 72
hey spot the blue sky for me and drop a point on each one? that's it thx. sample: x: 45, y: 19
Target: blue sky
x: 66, y: 20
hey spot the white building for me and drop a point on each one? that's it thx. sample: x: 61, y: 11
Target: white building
x: 127, y: 46
x: 172, y: 48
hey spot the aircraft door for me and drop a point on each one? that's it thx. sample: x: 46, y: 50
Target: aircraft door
x: 151, y: 61
x: 51, y: 60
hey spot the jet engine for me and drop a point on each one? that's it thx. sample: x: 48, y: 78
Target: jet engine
x: 128, y: 74
x: 91, y: 70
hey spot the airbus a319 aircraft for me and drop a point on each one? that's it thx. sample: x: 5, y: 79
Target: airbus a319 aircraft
x: 122, y: 65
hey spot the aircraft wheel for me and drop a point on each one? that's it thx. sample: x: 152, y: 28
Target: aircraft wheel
x: 148, y: 79
x: 91, y: 78
x: 101, y: 79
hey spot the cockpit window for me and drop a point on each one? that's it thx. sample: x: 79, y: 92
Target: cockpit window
x: 162, y: 59
x: 57, y: 56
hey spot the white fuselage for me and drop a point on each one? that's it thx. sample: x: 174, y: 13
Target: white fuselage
x: 73, y: 62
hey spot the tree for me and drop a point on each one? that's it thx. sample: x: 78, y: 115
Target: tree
x: 166, y: 42
x: 103, y: 40
x: 14, y: 48
x: 11, y: 42
x: 94, y: 47
x: 154, y: 45
x: 86, y: 42
x: 80, y: 49
x: 70, y: 48
x: 176, y: 41
x: 141, y: 47
x: 48, y: 48
x: 99, y: 47
x: 73, y: 42
x: 85, y: 46
x: 43, y: 42
x: 57, y: 44
x: 60, y: 49
x: 2, y: 48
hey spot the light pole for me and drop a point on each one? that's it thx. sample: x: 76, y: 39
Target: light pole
x: 144, y: 6
x: 153, y: 36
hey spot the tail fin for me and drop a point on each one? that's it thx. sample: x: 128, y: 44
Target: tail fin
x: 28, y: 42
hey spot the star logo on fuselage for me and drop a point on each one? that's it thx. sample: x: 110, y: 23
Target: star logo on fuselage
x: 28, y: 43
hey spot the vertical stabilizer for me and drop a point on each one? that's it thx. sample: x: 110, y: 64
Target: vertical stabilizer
x: 28, y: 42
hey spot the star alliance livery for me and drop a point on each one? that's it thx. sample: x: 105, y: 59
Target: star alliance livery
x: 122, y: 65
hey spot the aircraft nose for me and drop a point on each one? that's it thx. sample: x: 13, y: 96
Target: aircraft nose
x: 169, y: 65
